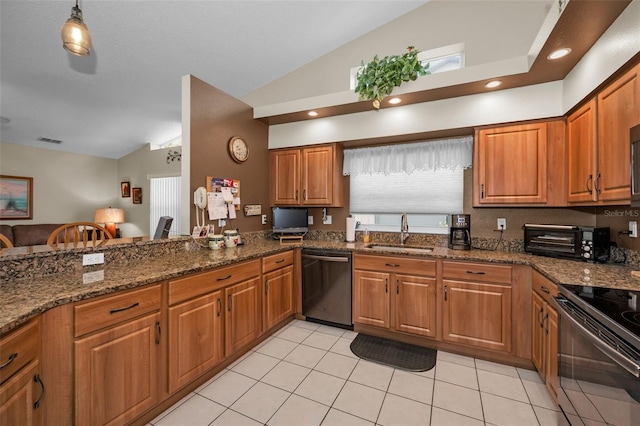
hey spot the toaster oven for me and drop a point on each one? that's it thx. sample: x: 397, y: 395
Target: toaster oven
x: 589, y: 243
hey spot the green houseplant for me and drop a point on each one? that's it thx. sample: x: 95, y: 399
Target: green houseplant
x: 378, y: 78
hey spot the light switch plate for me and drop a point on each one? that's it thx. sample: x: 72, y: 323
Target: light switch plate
x: 633, y: 228
x: 502, y: 224
x: 327, y: 220
x: 309, y: 220
x: 92, y: 259
x: 264, y: 219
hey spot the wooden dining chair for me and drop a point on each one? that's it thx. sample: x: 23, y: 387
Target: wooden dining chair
x: 5, y: 241
x: 79, y: 234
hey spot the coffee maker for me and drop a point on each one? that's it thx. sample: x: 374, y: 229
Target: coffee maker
x: 460, y: 232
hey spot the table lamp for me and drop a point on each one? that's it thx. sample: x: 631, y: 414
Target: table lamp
x: 110, y: 217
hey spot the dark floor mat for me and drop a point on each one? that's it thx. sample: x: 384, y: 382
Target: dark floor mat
x: 394, y: 354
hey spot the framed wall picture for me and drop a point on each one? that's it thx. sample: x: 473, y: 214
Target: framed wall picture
x: 16, y: 197
x: 137, y: 195
x: 125, y: 188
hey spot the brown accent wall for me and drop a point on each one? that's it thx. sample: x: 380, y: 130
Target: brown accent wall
x: 215, y: 118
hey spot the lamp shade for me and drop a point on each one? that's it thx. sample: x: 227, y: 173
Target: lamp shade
x: 109, y: 215
x: 75, y: 35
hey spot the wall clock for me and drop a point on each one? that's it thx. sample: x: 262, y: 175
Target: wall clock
x: 238, y: 149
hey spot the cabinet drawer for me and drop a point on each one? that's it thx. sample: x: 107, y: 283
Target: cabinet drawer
x: 483, y: 272
x: 199, y: 284
x: 276, y: 261
x: 94, y: 315
x: 18, y: 348
x: 401, y: 265
x: 543, y: 286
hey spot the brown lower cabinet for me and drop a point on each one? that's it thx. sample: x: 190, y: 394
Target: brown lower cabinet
x: 242, y: 315
x: 544, y: 332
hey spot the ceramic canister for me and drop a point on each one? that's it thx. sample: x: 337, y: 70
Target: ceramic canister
x: 216, y: 241
x: 231, y: 238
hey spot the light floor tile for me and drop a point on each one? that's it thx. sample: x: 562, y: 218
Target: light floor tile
x: 340, y: 418
x: 211, y: 380
x: 277, y: 348
x: 614, y: 411
x: 507, y: 412
x: 239, y: 360
x: 305, y: 356
x: 230, y: 417
x: 371, y: 374
x: 529, y: 375
x: 299, y: 411
x: 286, y: 376
x: 195, y: 411
x: 539, y: 395
x: 228, y: 388
x: 494, y: 367
x: 334, y: 331
x: 320, y: 387
x: 361, y: 401
x: 337, y: 365
x: 411, y: 386
x: 457, y: 374
x: 397, y: 411
x: 546, y: 417
x: 501, y: 385
x: 440, y: 417
x: 260, y: 402
x: 320, y: 340
x: 294, y: 334
x: 343, y: 347
x: 348, y: 334
x: 256, y: 365
x: 431, y: 374
x: 457, y: 399
x: 456, y: 359
x: 173, y: 407
x: 305, y: 324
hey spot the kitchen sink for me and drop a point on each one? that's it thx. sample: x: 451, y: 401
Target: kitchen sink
x: 399, y: 248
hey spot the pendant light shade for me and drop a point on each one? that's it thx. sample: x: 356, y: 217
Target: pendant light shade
x: 75, y: 35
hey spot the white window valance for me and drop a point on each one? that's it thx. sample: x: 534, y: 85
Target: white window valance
x: 438, y: 154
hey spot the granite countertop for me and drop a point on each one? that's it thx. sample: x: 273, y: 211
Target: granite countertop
x: 26, y: 298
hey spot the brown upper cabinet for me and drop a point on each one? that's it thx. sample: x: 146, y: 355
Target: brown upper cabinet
x: 598, y: 149
x: 307, y: 176
x: 519, y: 165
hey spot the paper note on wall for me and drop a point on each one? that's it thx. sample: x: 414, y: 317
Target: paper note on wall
x: 232, y: 211
x: 227, y: 195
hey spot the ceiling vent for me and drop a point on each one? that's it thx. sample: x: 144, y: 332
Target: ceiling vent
x: 49, y: 140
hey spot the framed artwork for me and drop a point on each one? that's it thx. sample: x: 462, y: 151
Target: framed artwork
x: 125, y: 188
x: 137, y: 195
x: 16, y: 197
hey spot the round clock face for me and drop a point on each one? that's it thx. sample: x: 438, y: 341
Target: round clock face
x: 238, y: 149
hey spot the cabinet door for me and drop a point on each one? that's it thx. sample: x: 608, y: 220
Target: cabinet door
x: 510, y: 165
x: 285, y: 177
x: 538, y: 353
x: 581, y: 159
x: 371, y: 298
x: 242, y: 321
x: 17, y: 398
x: 117, y: 371
x: 551, y: 351
x: 278, y: 296
x: 477, y: 314
x: 317, y: 176
x: 618, y: 111
x: 195, y: 338
x: 415, y: 305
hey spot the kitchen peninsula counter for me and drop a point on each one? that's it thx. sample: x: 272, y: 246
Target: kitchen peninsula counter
x: 23, y: 299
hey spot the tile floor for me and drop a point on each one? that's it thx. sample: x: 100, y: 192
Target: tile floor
x: 306, y: 375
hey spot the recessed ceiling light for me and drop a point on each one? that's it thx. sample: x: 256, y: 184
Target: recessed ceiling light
x: 312, y: 113
x: 559, y: 53
x: 394, y: 101
x: 492, y: 84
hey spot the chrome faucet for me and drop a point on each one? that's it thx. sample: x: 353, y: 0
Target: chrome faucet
x: 404, y: 228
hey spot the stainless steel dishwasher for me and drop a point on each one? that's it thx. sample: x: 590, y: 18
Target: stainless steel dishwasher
x: 326, y: 287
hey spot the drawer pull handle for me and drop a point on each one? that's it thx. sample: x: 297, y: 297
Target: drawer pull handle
x: 540, y: 321
x: 544, y: 289
x: 9, y: 360
x: 397, y: 286
x: 589, y: 180
x: 38, y: 380
x: 223, y: 278
x: 229, y: 303
x: 446, y: 289
x: 280, y: 261
x: 392, y: 265
x: 219, y: 307
x: 386, y: 285
x: 476, y: 272
x: 544, y: 320
x: 115, y: 311
x: 158, y: 332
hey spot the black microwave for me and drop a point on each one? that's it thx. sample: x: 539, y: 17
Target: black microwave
x: 588, y: 243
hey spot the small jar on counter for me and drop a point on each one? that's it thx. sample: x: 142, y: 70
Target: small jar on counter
x: 216, y: 241
x: 231, y: 238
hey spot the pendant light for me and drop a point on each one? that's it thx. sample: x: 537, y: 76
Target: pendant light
x: 75, y: 35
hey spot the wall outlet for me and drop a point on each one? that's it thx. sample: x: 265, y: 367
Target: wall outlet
x: 326, y: 220
x: 502, y: 224
x: 309, y: 220
x: 264, y: 219
x: 633, y: 228
x: 92, y: 259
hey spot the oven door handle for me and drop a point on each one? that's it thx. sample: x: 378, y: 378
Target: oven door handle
x: 625, y: 362
x: 326, y: 258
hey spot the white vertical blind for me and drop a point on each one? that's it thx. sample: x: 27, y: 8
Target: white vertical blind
x: 165, y: 201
